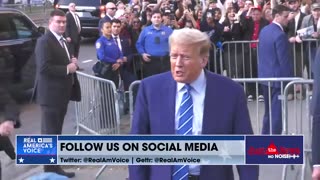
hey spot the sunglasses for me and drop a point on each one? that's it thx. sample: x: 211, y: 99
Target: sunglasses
x: 136, y: 22
x: 113, y: 9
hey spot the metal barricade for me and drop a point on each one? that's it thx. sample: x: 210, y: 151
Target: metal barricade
x: 256, y: 107
x: 239, y: 59
x: 297, y: 120
x: 133, y: 90
x: 98, y: 111
x: 214, y: 60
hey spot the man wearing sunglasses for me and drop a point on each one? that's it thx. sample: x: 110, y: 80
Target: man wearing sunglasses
x: 110, y: 13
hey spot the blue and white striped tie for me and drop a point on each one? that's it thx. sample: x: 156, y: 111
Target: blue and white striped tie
x: 180, y: 172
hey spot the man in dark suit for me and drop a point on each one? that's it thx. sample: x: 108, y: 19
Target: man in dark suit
x: 56, y: 79
x: 110, y: 12
x: 315, y: 112
x: 125, y: 48
x: 217, y: 105
x: 126, y: 66
x: 73, y: 30
x: 274, y: 62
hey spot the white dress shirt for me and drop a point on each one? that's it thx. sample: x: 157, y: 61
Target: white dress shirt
x: 118, y: 41
x: 278, y: 24
x: 198, y: 92
x: 66, y: 48
x: 77, y: 20
x: 296, y: 21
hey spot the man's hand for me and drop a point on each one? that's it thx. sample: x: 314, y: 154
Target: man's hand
x: 68, y: 39
x: 298, y: 39
x: 120, y: 61
x: 125, y: 59
x: 6, y: 128
x: 315, y: 35
x: 292, y: 39
x: 145, y: 57
x: 72, y: 67
x: 74, y: 60
x: 115, y: 66
x: 316, y: 173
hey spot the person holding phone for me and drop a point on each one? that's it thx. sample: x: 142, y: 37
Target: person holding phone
x: 153, y: 46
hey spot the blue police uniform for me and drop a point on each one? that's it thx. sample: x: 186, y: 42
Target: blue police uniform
x: 156, y: 43
x: 108, y: 52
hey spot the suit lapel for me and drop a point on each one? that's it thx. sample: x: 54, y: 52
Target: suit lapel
x: 58, y: 45
x: 167, y: 100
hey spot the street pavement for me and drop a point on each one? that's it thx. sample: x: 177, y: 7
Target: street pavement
x: 30, y: 117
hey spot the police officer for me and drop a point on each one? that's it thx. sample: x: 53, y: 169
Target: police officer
x: 153, y: 46
x: 109, y: 54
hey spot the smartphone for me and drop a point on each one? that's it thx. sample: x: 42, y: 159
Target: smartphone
x: 209, y: 15
x: 172, y: 17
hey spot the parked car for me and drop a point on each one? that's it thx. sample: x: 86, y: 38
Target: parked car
x: 89, y: 11
x: 18, y: 37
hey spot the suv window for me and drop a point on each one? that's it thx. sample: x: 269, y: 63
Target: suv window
x: 14, y: 26
x: 7, y: 30
x: 81, y: 2
x: 23, y: 28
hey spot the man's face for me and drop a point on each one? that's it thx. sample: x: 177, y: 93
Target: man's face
x: 256, y: 15
x: 217, y: 15
x: 247, y: 5
x: 111, y: 9
x: 165, y: 5
x: 186, y: 62
x: 156, y: 19
x: 294, y: 5
x: 240, y: 3
x: 283, y: 18
x: 316, y: 13
x: 106, y: 29
x: 116, y: 28
x: 72, y: 7
x: 57, y: 24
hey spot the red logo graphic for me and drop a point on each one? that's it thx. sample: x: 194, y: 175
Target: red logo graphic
x: 272, y: 149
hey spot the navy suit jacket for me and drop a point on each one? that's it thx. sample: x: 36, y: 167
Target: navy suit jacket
x: 315, y: 111
x: 274, y: 54
x: 225, y: 112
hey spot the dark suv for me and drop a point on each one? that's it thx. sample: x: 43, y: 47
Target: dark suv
x: 89, y: 12
x: 18, y: 37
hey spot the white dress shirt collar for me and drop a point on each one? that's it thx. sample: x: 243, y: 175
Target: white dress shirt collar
x: 278, y: 24
x: 56, y: 35
x: 196, y: 85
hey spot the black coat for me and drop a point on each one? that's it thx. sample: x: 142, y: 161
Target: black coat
x: 53, y: 85
x: 248, y: 27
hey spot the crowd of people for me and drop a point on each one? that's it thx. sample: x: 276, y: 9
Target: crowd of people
x: 145, y: 29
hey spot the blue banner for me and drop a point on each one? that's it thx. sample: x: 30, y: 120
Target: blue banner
x: 36, y: 149
x: 274, y: 150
